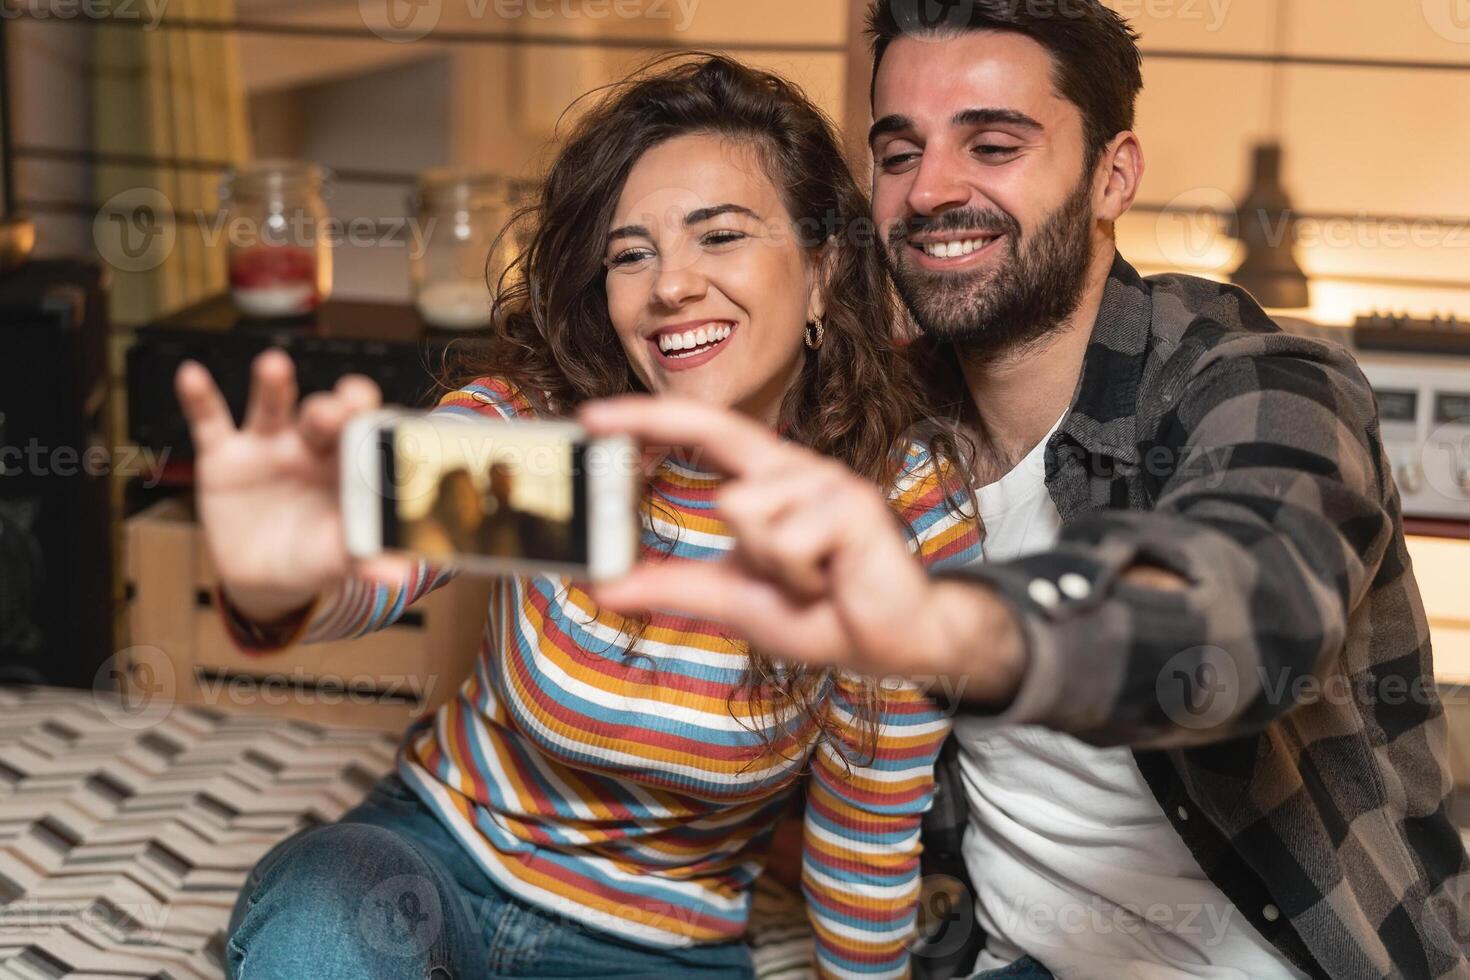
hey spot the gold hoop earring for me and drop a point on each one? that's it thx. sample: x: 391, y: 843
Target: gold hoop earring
x: 815, y: 332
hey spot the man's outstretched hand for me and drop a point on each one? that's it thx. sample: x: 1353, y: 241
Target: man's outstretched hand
x: 821, y: 572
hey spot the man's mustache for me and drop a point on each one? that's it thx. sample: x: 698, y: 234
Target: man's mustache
x: 991, y: 221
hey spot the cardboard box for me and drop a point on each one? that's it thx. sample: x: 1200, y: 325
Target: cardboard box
x: 180, y: 651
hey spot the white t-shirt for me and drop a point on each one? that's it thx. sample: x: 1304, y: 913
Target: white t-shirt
x: 1072, y: 859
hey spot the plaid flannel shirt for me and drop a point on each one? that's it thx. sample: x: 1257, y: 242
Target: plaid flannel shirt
x: 1281, y: 706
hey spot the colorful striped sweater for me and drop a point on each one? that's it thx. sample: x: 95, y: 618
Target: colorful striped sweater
x: 633, y: 791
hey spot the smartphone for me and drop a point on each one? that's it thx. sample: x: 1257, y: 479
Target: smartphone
x: 491, y: 496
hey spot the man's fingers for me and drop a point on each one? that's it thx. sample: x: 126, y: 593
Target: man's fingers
x: 714, y: 437
x: 817, y: 498
x: 203, y: 406
x: 747, y: 504
x: 798, y: 550
x: 761, y: 549
x: 655, y: 585
x: 272, y: 392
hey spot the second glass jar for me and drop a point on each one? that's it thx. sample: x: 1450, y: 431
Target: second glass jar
x: 461, y: 216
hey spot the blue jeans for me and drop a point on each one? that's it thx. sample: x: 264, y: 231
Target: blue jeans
x: 388, y: 893
x: 1025, y: 968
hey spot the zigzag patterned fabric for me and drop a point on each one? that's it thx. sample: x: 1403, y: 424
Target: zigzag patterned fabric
x: 125, y: 833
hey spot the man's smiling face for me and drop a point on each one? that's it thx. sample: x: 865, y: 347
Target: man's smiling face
x: 979, y: 187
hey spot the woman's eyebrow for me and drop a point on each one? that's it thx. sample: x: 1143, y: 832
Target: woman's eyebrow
x: 628, y: 231
x: 705, y: 214
x: 692, y: 218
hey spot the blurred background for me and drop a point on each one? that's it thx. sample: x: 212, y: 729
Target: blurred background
x: 206, y: 178
x: 1369, y: 101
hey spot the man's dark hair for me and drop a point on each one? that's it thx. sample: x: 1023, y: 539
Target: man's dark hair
x: 1095, y: 51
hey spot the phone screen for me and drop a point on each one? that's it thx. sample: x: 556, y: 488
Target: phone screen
x: 515, y: 492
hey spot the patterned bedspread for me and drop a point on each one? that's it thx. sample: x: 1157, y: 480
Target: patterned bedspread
x: 125, y: 832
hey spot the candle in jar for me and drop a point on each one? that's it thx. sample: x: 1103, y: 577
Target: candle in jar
x: 274, y: 280
x: 462, y: 304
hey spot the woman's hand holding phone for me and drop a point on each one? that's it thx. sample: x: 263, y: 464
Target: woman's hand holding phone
x: 268, y: 491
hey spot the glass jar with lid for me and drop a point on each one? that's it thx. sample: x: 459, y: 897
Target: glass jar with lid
x: 461, y: 216
x: 279, y: 246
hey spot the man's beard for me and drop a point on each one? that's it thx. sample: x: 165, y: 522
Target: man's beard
x: 1017, y: 300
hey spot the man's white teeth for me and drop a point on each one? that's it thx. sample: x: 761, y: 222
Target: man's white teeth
x: 953, y: 250
x: 691, y: 339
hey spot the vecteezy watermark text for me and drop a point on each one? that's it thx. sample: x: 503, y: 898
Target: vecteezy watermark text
x: 136, y: 230
x: 937, y: 18
x: 36, y: 459
x: 150, y: 12
x: 404, y: 21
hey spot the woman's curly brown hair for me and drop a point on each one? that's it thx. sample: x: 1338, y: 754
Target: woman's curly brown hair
x: 857, y: 398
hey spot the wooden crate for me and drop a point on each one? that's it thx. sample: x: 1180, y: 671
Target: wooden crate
x: 179, y: 649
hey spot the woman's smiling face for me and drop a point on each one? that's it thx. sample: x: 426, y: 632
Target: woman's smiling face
x: 708, y: 285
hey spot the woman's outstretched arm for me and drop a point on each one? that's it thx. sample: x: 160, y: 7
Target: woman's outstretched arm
x: 860, y: 855
x: 355, y: 607
x: 355, y: 604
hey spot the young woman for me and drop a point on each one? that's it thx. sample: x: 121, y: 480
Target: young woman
x: 600, y: 795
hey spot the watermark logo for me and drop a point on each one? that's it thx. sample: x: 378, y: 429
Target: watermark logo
x: 38, y: 459
x: 1206, y: 924
x: 135, y: 688
x: 141, y: 922
x: 149, y: 12
x: 1445, y: 460
x: 135, y: 230
x: 1199, y: 688
x: 931, y: 18
x: 299, y: 687
x: 1450, y: 19
x: 1211, y: 14
x: 401, y: 916
x: 655, y: 230
x: 1193, y: 229
x: 937, y: 18
x: 946, y: 917
x: 1449, y: 932
x: 400, y: 21
x: 683, y: 10
x: 1201, y: 228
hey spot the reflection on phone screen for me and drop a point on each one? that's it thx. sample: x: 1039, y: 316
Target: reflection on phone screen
x: 498, y: 490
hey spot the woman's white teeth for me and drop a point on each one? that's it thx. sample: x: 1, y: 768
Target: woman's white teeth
x: 953, y: 250
x: 689, y: 340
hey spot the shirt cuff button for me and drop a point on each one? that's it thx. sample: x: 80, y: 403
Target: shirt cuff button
x: 1075, y: 586
x: 1271, y: 913
x: 1043, y: 593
